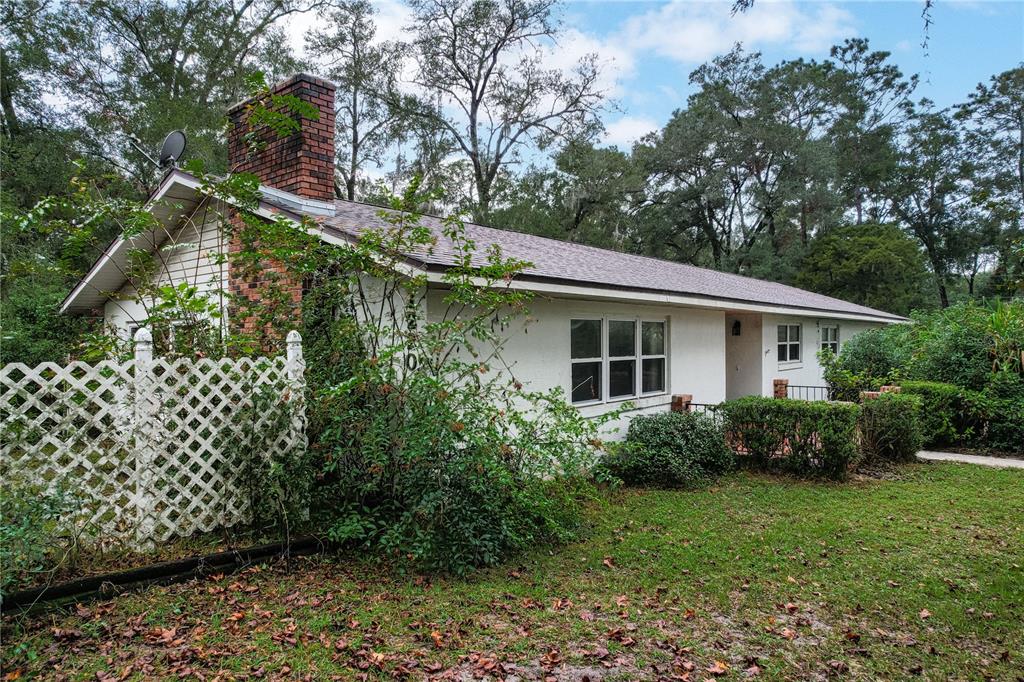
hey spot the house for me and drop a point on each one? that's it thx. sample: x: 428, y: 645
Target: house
x: 606, y: 326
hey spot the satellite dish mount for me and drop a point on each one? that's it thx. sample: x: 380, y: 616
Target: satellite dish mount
x: 174, y: 147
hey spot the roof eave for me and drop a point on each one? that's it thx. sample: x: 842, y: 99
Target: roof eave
x: 554, y: 285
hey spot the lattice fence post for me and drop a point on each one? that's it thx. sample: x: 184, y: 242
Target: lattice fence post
x: 295, y: 370
x: 145, y: 408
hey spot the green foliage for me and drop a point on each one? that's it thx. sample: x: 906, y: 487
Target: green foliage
x: 31, y: 328
x: 873, y: 265
x: 671, y: 449
x: 432, y: 453
x: 963, y: 344
x: 964, y: 362
x: 29, y: 549
x: 877, y: 353
x: 999, y: 412
x: 890, y: 427
x: 806, y: 438
x: 276, y: 479
x: 944, y: 413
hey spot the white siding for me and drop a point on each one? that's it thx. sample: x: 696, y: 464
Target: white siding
x: 190, y: 255
x: 806, y: 372
x: 537, y: 350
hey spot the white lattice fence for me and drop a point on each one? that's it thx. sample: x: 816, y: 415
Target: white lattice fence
x: 149, y: 448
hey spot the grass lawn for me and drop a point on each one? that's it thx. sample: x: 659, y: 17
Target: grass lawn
x: 756, y: 577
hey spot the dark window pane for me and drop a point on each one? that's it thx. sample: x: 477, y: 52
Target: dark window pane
x: 621, y: 338
x: 586, y: 381
x: 621, y: 378
x: 652, y: 338
x: 586, y: 339
x: 794, y: 351
x: 794, y: 332
x: 654, y: 375
x: 782, y: 352
x: 782, y: 333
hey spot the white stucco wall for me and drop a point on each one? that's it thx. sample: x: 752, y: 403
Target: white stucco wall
x: 743, y: 355
x: 808, y: 371
x: 537, y: 350
x: 190, y: 255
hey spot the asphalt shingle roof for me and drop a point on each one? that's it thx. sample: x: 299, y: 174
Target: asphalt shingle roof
x: 575, y: 263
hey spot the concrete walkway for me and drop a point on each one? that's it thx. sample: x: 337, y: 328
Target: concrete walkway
x: 1005, y: 462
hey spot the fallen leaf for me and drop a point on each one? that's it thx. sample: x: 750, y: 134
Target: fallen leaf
x: 925, y: 613
x: 718, y: 668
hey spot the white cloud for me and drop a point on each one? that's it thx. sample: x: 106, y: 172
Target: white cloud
x: 391, y: 19
x: 616, y: 62
x: 627, y: 130
x: 693, y: 32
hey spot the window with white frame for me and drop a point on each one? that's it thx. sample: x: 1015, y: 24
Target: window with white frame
x: 616, y: 359
x: 652, y: 354
x: 789, y: 343
x: 830, y: 338
x: 587, y: 360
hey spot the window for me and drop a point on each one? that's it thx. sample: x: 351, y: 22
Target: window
x: 630, y: 353
x: 586, y: 356
x: 621, y: 358
x: 830, y: 339
x: 789, y: 343
x: 652, y: 351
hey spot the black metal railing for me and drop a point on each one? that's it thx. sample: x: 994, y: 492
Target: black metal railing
x: 712, y: 410
x: 809, y: 392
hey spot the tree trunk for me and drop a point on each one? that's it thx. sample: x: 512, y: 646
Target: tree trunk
x: 7, y: 97
x: 943, y: 296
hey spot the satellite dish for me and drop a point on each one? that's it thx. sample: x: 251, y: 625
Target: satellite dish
x: 174, y: 146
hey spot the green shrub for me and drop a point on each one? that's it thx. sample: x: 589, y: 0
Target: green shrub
x: 944, y: 411
x: 844, y: 384
x: 445, y: 479
x: 962, y: 344
x: 876, y: 353
x: 890, y: 427
x: 998, y: 412
x: 814, y: 439
x: 29, y: 519
x: 429, y: 451
x: 671, y: 449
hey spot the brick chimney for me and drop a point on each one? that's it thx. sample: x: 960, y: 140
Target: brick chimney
x: 301, y: 163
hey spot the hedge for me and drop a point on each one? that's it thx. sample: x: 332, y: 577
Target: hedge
x: 813, y: 439
x: 945, y: 414
x: 671, y: 449
x: 890, y: 427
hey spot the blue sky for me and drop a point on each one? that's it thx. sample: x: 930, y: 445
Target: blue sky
x: 648, y: 48
x: 651, y: 47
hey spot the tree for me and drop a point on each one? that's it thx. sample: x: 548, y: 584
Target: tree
x: 930, y: 191
x: 870, y: 264
x: 136, y: 69
x: 876, y: 102
x: 481, y: 63
x: 585, y: 198
x: 994, y: 118
x: 366, y: 73
x: 746, y: 171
